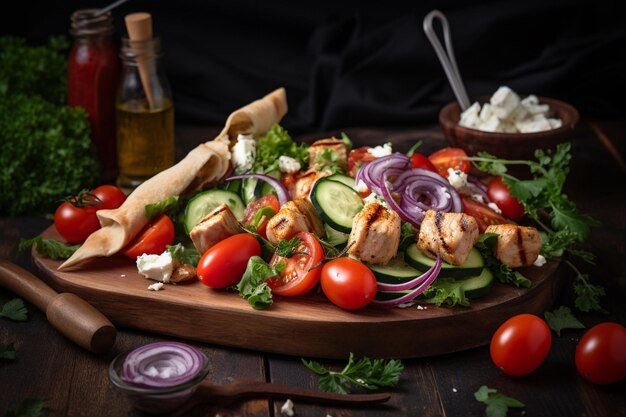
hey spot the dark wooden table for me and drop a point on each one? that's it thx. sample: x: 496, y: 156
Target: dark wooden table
x: 73, y: 382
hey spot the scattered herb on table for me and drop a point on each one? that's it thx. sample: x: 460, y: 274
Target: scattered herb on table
x: 29, y: 407
x: 497, y: 404
x: 8, y: 352
x: 544, y: 195
x: 48, y: 247
x: 562, y: 318
x: 365, y: 373
x: 15, y: 310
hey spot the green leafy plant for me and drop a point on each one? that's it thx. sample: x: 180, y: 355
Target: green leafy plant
x: 274, y: 144
x: 15, y: 310
x: 497, y: 404
x: 365, y: 373
x: 48, y: 247
x: 252, y: 285
x: 8, y: 352
x: 562, y: 318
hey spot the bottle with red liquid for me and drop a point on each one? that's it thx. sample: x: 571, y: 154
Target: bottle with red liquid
x: 93, y: 75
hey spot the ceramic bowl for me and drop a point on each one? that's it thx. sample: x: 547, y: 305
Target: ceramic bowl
x: 508, y: 145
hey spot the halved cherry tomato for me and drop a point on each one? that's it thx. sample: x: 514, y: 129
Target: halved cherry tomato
x: 299, y: 275
x: 153, y: 239
x: 500, y: 194
x: 420, y: 161
x: 450, y: 158
x: 601, y: 354
x: 257, y: 213
x: 348, y: 283
x: 482, y: 213
x: 358, y: 157
x: 520, y: 344
x: 110, y: 196
x: 223, y: 264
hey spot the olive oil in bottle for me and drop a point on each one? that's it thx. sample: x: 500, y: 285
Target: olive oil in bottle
x: 145, y: 141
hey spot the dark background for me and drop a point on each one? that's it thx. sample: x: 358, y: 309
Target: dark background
x: 354, y: 63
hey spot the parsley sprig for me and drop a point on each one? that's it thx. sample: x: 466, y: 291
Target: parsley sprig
x: 365, y: 373
x: 497, y: 404
x: 14, y: 310
x: 542, y: 196
x: 562, y: 318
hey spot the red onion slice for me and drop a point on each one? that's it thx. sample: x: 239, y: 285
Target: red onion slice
x: 434, y: 272
x: 371, y: 173
x: 281, y: 191
x: 412, y: 283
x: 162, y: 364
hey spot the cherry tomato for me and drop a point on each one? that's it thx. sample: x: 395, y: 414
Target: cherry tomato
x: 348, y: 283
x: 520, y: 344
x: 153, y: 239
x: 259, y: 212
x: 482, y: 213
x: 450, y: 158
x: 298, y: 276
x: 601, y: 354
x: 75, y: 224
x: 110, y: 197
x: 225, y: 262
x: 500, y: 194
x: 420, y: 161
x: 358, y: 157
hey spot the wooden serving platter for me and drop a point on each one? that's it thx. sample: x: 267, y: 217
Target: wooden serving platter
x: 305, y: 326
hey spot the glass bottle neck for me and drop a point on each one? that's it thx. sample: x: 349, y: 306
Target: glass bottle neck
x: 85, y: 24
x: 132, y: 52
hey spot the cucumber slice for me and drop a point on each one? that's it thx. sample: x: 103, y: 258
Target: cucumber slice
x: 248, y: 186
x: 349, y: 181
x: 262, y: 188
x: 234, y: 186
x: 390, y: 295
x: 205, y: 202
x: 337, y: 203
x: 334, y: 237
x: 396, y: 271
x: 473, y: 266
x: 478, y: 286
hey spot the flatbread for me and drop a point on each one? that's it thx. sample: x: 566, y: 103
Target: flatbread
x: 204, y: 165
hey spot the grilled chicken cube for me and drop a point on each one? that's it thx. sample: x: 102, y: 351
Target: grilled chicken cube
x: 517, y: 245
x: 318, y: 147
x: 375, y: 234
x: 294, y: 216
x: 452, y: 235
x: 214, y: 227
x: 304, y: 183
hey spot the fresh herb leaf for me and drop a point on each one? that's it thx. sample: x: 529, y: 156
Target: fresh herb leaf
x: 286, y: 248
x: 29, y: 407
x: 446, y: 291
x: 8, y: 352
x: 503, y: 273
x: 48, y: 247
x: 15, y: 310
x: 184, y: 254
x: 414, y: 148
x: 274, y: 144
x: 328, y: 160
x: 163, y: 206
x: 497, y: 404
x: 346, y: 141
x: 562, y: 318
x: 407, y: 236
x: 365, y: 373
x: 263, y: 212
x: 253, y: 286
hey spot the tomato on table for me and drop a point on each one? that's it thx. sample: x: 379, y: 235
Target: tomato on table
x: 259, y: 212
x: 420, y: 161
x: 299, y: 275
x: 357, y: 157
x: 520, y: 344
x: 484, y: 215
x: 348, y: 283
x: 223, y: 264
x: 601, y: 354
x: 449, y: 158
x: 500, y: 194
x: 153, y: 239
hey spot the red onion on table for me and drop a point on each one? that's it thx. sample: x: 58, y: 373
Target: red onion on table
x: 281, y: 191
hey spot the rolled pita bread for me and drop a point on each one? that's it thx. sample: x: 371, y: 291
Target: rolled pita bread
x: 204, y: 165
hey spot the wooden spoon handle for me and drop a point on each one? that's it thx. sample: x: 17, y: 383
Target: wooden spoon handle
x: 255, y: 389
x: 71, y: 315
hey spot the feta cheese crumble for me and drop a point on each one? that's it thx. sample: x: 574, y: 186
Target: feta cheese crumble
x: 506, y: 113
x: 243, y: 153
x: 361, y: 187
x: 288, y: 164
x: 380, y: 150
x: 156, y: 267
x: 156, y: 286
x: 457, y: 178
x: 287, y: 408
x: 540, y: 261
x: 494, y: 207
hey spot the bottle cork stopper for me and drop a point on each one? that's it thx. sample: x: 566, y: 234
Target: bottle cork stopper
x: 139, y: 27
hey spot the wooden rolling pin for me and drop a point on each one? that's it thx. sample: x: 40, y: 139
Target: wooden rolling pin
x: 69, y: 314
